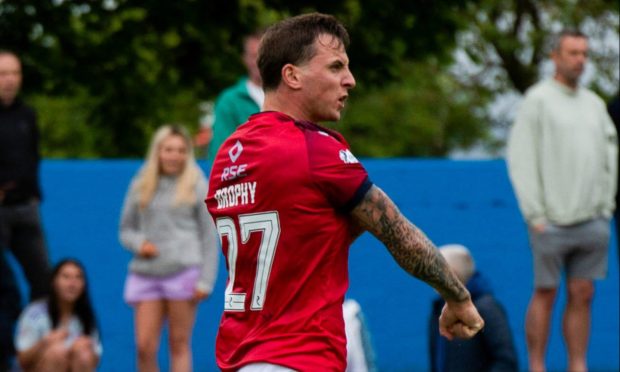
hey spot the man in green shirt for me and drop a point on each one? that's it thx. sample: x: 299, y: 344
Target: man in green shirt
x: 236, y: 103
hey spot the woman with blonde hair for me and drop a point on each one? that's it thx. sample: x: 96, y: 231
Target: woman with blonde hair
x: 167, y: 227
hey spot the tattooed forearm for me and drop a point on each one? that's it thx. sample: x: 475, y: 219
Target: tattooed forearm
x: 409, y: 246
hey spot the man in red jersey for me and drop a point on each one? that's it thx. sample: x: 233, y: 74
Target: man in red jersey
x: 288, y: 198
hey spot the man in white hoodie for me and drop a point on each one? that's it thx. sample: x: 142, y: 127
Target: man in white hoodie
x: 562, y: 159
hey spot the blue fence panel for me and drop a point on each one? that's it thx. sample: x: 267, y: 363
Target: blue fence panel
x: 467, y: 202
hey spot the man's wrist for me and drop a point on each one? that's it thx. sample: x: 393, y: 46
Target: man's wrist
x: 461, y: 298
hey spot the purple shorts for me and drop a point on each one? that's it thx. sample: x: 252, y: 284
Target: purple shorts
x: 179, y: 286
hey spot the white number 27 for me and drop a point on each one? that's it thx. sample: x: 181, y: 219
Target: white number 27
x: 269, y: 224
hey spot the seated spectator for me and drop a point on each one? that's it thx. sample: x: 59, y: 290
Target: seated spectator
x: 59, y: 333
x: 493, y: 348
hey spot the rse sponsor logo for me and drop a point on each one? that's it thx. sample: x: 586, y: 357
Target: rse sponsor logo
x: 235, y: 151
x: 234, y: 171
x: 347, y: 157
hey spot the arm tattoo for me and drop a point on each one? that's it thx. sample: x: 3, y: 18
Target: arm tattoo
x: 409, y: 246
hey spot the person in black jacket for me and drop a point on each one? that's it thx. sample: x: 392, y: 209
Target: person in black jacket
x: 493, y: 348
x: 20, y: 194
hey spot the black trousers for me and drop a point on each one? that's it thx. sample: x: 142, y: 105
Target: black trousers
x: 21, y: 234
x: 10, y: 307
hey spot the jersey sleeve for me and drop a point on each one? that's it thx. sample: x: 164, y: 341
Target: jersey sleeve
x: 336, y: 171
x: 31, y: 327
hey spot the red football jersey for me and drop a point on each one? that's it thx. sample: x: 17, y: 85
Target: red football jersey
x: 280, y: 193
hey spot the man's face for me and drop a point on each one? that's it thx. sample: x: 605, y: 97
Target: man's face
x: 250, y: 55
x: 326, y: 80
x: 570, y: 59
x: 10, y: 78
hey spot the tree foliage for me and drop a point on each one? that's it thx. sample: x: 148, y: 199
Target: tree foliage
x: 509, y: 40
x: 125, y: 62
x: 505, y: 45
x: 131, y: 58
x: 425, y: 113
x: 105, y: 73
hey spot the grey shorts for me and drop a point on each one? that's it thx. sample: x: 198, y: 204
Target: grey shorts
x: 579, y: 250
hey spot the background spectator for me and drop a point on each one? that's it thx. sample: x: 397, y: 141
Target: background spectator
x: 20, y: 194
x: 165, y: 224
x: 235, y: 104
x: 60, y: 333
x: 10, y: 307
x: 563, y: 164
x: 360, y: 354
x: 490, y: 350
x: 613, y: 108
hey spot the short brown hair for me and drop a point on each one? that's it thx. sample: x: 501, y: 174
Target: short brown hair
x: 556, y: 41
x: 4, y: 52
x: 292, y: 41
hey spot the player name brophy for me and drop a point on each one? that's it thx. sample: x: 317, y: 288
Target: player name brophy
x: 238, y: 194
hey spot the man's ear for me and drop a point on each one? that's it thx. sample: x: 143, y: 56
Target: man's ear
x: 291, y: 76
